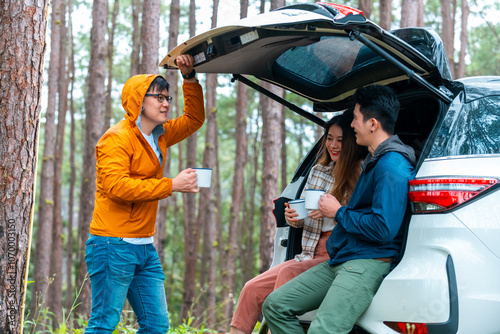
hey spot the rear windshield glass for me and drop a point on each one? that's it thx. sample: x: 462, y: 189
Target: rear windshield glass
x: 469, y: 128
x: 318, y: 63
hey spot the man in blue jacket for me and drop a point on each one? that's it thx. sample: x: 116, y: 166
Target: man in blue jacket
x: 368, y: 234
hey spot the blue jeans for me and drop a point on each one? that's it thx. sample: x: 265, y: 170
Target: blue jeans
x: 118, y: 271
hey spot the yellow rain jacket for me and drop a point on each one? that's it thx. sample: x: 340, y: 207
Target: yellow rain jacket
x: 129, y: 175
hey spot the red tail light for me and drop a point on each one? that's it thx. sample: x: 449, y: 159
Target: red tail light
x: 407, y: 327
x: 441, y: 194
x: 344, y: 10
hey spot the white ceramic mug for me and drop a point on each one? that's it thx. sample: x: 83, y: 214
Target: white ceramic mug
x: 204, y: 177
x: 300, y: 208
x: 312, y: 197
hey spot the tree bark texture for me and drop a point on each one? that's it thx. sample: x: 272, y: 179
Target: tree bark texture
x: 228, y: 279
x: 366, y: 7
x: 463, y: 39
x: 219, y: 227
x: 319, y: 129
x: 420, y: 14
x: 207, y: 195
x: 54, y: 300
x: 448, y: 32
x: 247, y: 257
x: 277, y: 4
x: 385, y: 14
x: 72, y: 181
x: 409, y: 13
x: 283, y: 157
x: 46, y: 206
x: 192, y: 18
x: 172, y: 78
x: 135, y: 56
x: 22, y: 27
x: 270, y: 172
x: 192, y: 233
x: 94, y: 109
x: 270, y: 166
x: 201, y: 300
x: 243, y: 8
x: 192, y: 230
x: 111, y: 37
x: 150, y: 36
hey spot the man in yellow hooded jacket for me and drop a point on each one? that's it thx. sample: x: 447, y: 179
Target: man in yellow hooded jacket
x: 121, y: 260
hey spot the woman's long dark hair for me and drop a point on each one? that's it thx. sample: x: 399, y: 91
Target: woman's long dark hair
x: 347, y: 168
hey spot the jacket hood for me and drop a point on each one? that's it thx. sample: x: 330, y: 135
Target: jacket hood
x: 392, y: 144
x: 133, y: 94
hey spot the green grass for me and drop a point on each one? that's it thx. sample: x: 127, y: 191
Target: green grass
x: 41, y: 322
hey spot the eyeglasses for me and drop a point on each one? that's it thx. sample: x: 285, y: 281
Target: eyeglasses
x: 161, y: 98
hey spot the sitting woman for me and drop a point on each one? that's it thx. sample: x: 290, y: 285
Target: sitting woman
x: 336, y: 172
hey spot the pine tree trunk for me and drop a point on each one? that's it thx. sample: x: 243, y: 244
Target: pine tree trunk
x: 94, y: 107
x: 248, y: 218
x: 150, y: 36
x: 172, y: 78
x: 207, y: 203
x: 228, y: 279
x: 300, y: 144
x: 366, y: 7
x: 448, y: 33
x: 111, y: 36
x: 174, y: 232
x: 201, y: 305
x: 135, y: 56
x: 221, y: 250
x: 242, y: 221
x: 284, y: 177
x: 385, y: 14
x: 319, y: 129
x: 463, y: 39
x: 192, y: 230
x: 207, y: 195
x: 420, y: 14
x: 21, y: 73
x: 270, y: 172
x: 270, y: 167
x: 46, y: 207
x: 409, y: 13
x: 72, y: 178
x: 55, y: 290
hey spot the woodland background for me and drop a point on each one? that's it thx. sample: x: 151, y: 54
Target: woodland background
x: 210, y: 243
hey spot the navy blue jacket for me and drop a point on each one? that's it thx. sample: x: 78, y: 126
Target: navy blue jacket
x: 370, y: 226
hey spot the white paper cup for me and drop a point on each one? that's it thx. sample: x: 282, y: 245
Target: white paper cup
x: 300, y: 208
x: 204, y: 177
x: 312, y: 198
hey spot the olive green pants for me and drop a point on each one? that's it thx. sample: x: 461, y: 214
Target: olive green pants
x: 341, y: 294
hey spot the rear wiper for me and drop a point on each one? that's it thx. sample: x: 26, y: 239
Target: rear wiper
x: 409, y: 73
x: 279, y: 99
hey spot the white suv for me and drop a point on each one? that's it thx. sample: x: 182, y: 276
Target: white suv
x: 447, y: 279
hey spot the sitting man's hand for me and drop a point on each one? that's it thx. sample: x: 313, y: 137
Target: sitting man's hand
x: 328, y: 205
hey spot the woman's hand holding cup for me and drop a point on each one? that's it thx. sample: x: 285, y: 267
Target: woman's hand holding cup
x: 291, y: 217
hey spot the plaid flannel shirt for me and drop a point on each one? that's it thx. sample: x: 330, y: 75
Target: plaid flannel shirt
x: 320, y: 177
